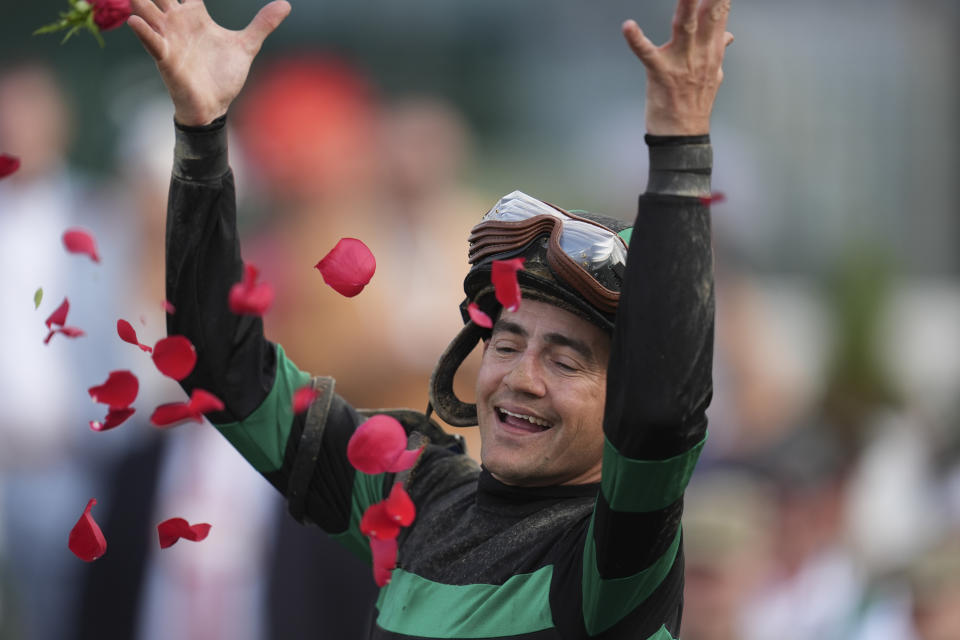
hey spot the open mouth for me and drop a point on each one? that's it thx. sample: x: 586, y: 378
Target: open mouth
x: 522, y: 422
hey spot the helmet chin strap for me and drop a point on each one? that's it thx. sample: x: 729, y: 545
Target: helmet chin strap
x: 444, y: 401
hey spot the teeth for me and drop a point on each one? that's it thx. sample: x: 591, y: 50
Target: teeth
x: 536, y: 421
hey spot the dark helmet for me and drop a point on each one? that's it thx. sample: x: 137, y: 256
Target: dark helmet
x: 572, y: 259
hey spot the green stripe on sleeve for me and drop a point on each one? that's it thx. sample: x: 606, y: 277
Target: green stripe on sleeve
x: 606, y: 602
x: 418, y: 607
x: 262, y: 437
x: 639, y: 486
x: 662, y: 634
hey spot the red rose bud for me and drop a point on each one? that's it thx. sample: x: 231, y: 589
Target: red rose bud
x: 303, y: 398
x: 81, y: 241
x: 8, y: 164
x: 503, y: 274
x: 175, y: 357
x: 127, y: 333
x: 115, y: 417
x: 249, y: 298
x: 348, y: 267
x: 172, y: 413
x: 86, y: 539
x: 379, y: 445
x: 384, y: 554
x: 118, y: 392
x: 110, y: 14
x: 169, y: 531
x: 479, y: 317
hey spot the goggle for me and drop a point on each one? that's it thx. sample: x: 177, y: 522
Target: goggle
x: 578, y: 249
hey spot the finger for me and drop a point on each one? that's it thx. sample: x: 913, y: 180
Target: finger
x: 149, y: 12
x: 166, y: 5
x: 713, y: 20
x: 639, y: 43
x: 727, y: 39
x: 266, y: 20
x: 685, y: 22
x: 152, y: 41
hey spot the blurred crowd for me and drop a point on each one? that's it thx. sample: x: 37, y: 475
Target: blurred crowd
x: 826, y: 504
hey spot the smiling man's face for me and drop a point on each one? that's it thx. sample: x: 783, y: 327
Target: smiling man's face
x: 540, y: 397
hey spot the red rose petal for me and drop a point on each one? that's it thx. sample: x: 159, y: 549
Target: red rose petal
x: 168, y: 307
x: 115, y: 417
x: 86, y: 539
x: 404, y: 460
x: 248, y: 297
x: 714, y: 198
x: 204, y: 402
x: 169, y: 531
x: 376, y: 444
x: 479, y: 317
x: 377, y: 523
x: 303, y: 398
x: 175, y: 357
x: 59, y: 316
x: 348, y: 267
x: 8, y: 164
x: 119, y: 391
x: 78, y: 240
x: 127, y: 333
x: 504, y: 278
x: 172, y: 413
x: 399, y: 506
x: 70, y: 332
x: 384, y: 554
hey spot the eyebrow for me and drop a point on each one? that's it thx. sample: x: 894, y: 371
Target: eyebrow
x: 558, y: 339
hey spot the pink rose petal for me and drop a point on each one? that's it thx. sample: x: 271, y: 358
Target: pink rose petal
x: 86, y: 540
x: 78, y: 240
x: 175, y: 357
x: 479, y: 317
x: 303, y: 398
x: 503, y: 275
x: 168, y: 307
x: 70, y: 332
x: 399, y: 506
x: 201, y: 402
x: 127, y: 333
x: 348, y: 267
x: 169, y: 531
x: 377, y: 523
x: 384, y: 554
x: 714, y: 198
x: 119, y: 391
x: 379, y: 445
x: 8, y: 164
x: 115, y: 417
x: 249, y: 298
x: 59, y: 316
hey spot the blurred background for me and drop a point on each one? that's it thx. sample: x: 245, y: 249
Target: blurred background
x: 827, y: 502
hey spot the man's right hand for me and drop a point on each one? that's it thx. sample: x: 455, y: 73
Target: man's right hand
x: 203, y: 65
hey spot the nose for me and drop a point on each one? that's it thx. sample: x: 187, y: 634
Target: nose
x: 526, y: 377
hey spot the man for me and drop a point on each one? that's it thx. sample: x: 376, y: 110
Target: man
x: 604, y: 366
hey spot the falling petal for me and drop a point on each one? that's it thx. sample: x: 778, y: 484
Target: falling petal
x: 70, y: 332
x: 169, y: 531
x: 399, y: 506
x: 115, y: 417
x: 376, y: 444
x: 348, y: 267
x: 204, y: 402
x: 59, y: 316
x: 377, y: 523
x: 168, y: 307
x: 8, y: 164
x: 78, y: 240
x: 505, y: 285
x: 302, y: 398
x: 128, y: 334
x: 714, y: 198
x: 172, y: 413
x: 249, y: 298
x: 175, y: 357
x: 404, y: 460
x: 37, y: 297
x: 86, y: 539
x: 479, y: 317
x: 384, y: 554
x: 119, y: 391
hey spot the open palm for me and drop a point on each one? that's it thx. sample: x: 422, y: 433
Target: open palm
x: 202, y: 64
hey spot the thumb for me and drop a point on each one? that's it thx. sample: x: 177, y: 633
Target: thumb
x: 639, y: 43
x: 266, y: 20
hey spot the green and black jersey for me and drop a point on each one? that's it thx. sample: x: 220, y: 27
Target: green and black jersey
x: 482, y: 559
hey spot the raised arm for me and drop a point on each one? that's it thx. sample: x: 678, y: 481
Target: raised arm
x: 659, y: 375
